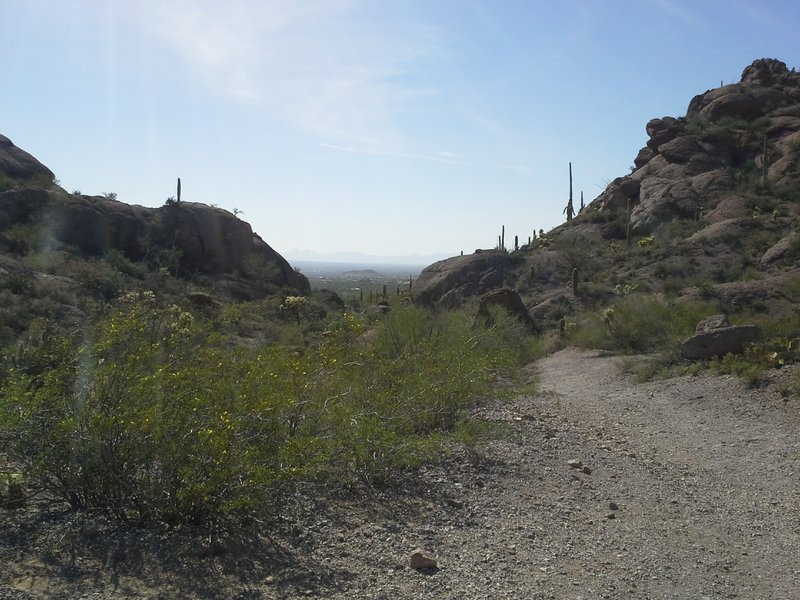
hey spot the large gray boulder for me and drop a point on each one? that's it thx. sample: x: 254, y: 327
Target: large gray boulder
x: 786, y: 246
x: 715, y: 339
x: 484, y: 269
x: 507, y: 300
x: 765, y: 85
x: 662, y: 131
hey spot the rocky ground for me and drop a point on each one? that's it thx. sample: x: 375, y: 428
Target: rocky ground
x: 596, y: 487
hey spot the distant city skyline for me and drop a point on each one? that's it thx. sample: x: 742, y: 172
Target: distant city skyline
x: 388, y: 129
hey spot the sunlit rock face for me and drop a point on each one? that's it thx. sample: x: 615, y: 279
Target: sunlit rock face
x: 690, y: 164
x: 472, y: 274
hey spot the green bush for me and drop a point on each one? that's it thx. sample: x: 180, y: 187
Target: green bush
x: 16, y: 283
x: 640, y: 323
x: 123, y: 264
x: 24, y: 237
x: 6, y: 183
x: 749, y: 368
x: 156, y: 414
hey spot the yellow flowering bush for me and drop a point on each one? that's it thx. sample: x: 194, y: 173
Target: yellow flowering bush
x: 157, y: 414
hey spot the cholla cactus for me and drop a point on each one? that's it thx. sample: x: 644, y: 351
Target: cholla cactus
x: 294, y: 305
x: 608, y: 318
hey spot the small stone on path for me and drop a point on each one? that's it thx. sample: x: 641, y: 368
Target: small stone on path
x: 420, y: 559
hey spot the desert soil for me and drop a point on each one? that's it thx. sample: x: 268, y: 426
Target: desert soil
x: 595, y: 487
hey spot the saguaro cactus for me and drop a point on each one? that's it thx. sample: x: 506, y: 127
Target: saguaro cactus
x: 569, y: 210
x: 179, y: 191
x: 575, y: 281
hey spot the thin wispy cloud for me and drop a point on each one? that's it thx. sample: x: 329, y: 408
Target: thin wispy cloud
x: 517, y: 168
x: 318, y: 66
x: 679, y: 11
x: 441, y: 157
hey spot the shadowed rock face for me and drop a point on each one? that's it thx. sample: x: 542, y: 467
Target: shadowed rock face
x: 203, y: 240
x: 18, y: 164
x: 505, y: 299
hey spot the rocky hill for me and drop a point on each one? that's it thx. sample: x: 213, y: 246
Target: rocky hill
x: 58, y: 249
x: 710, y: 209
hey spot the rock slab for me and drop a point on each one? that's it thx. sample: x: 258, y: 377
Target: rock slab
x: 719, y: 342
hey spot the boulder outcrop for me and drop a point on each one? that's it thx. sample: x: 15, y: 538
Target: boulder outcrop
x: 195, y: 239
x: 470, y: 274
x: 720, y: 341
x: 507, y: 300
x: 15, y: 163
x: 690, y: 163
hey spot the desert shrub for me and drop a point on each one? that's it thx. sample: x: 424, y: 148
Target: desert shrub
x: 645, y: 241
x: 755, y: 125
x: 640, y: 323
x: 6, y: 183
x: 16, y: 283
x: 670, y: 269
x: 48, y: 259
x: 760, y: 204
x: 749, y: 368
x: 673, y: 233
x: 654, y: 366
x: 156, y: 414
x: 23, y: 237
x: 99, y: 278
x: 124, y: 265
x: 593, y: 293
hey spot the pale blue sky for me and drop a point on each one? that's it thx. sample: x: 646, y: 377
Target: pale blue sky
x: 384, y: 127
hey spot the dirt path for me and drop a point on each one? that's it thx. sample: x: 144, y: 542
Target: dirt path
x: 685, y: 488
x: 688, y: 491
x: 704, y: 473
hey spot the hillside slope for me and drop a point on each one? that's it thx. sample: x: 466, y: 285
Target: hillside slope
x: 710, y: 209
x: 60, y: 251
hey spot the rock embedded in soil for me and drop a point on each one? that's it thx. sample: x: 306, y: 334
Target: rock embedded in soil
x: 421, y: 559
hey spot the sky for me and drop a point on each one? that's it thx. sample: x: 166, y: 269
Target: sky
x: 391, y: 128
